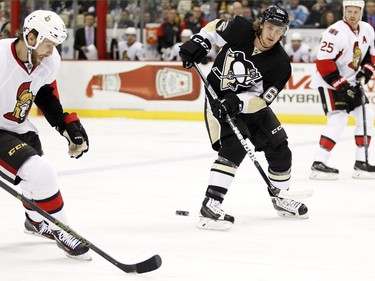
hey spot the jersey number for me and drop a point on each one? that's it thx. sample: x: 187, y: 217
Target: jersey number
x: 326, y: 47
x: 222, y: 26
x: 270, y: 94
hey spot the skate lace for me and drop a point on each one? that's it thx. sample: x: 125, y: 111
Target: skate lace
x: 44, y: 228
x: 288, y: 204
x: 68, y: 239
x: 215, y: 206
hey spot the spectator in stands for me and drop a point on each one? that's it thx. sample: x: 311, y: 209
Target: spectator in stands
x: 147, y: 18
x: 328, y: 18
x: 369, y: 14
x: 5, y: 30
x: 317, y: 11
x: 263, y: 6
x: 298, y: 13
x: 131, y: 49
x: 237, y: 9
x: 85, y: 37
x: 296, y: 50
x: 124, y: 21
x: 168, y: 32
x: 195, y: 21
x: 248, y: 13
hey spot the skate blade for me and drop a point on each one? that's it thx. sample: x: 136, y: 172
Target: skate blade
x: 83, y: 257
x: 285, y: 214
x: 36, y: 234
x: 210, y: 224
x: 316, y: 175
x: 363, y: 175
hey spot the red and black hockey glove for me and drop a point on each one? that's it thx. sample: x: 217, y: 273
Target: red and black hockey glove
x: 71, y: 128
x: 365, y: 73
x: 194, y: 50
x: 230, y: 105
x: 344, y: 89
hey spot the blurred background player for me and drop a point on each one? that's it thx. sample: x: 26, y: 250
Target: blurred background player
x: 131, y: 49
x: 346, y: 55
x: 173, y: 53
x: 296, y: 50
x: 33, y: 61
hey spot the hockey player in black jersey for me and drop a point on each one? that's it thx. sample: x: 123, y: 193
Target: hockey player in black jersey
x: 247, y: 75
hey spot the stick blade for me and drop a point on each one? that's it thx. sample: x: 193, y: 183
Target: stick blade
x: 148, y: 265
x: 296, y: 194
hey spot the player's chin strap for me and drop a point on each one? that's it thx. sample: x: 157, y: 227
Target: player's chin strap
x: 273, y: 191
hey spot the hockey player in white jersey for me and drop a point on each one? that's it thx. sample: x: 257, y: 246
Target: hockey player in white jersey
x: 131, y: 49
x: 247, y: 75
x: 346, y: 56
x: 28, y: 75
x: 297, y: 50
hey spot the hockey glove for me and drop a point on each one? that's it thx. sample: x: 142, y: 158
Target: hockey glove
x: 344, y: 89
x: 230, y: 105
x: 71, y: 128
x: 365, y: 73
x: 194, y: 50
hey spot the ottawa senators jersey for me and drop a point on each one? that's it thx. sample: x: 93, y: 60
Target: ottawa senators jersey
x: 342, y: 52
x: 19, y: 86
x: 240, y: 67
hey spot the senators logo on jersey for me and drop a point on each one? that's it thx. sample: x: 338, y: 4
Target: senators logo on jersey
x: 23, y: 105
x: 236, y: 72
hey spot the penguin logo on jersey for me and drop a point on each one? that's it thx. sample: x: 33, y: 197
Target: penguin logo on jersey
x: 25, y: 100
x: 237, y: 71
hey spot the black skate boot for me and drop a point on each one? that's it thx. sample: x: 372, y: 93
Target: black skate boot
x: 320, y: 171
x: 213, y: 217
x: 363, y: 170
x: 40, y: 229
x: 289, y: 208
x: 72, y: 247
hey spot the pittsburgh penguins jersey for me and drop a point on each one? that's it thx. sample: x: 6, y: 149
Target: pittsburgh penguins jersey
x: 240, y: 67
x: 342, y: 52
x: 19, y: 84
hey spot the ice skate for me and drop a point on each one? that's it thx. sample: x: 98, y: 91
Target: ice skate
x: 320, y: 171
x: 40, y: 229
x: 363, y: 170
x: 289, y: 208
x: 213, y: 217
x: 72, y: 247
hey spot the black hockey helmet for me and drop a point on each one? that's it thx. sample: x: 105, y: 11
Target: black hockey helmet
x: 276, y: 15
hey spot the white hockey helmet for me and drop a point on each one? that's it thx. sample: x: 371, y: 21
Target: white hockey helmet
x: 130, y: 31
x: 186, y: 33
x: 47, y: 24
x: 296, y: 36
x: 355, y: 3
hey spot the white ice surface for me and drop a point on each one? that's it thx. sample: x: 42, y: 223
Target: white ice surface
x: 123, y: 194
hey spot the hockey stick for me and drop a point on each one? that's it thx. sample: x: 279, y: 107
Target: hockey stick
x: 365, y: 137
x: 145, y: 266
x: 274, y: 191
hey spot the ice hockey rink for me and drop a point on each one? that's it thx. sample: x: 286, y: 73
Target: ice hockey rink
x: 123, y: 194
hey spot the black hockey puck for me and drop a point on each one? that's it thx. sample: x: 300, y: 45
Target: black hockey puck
x: 182, y: 213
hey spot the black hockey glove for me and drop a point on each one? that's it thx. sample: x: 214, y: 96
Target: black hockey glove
x: 346, y: 91
x: 230, y: 105
x: 365, y: 73
x: 194, y: 50
x: 71, y: 128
